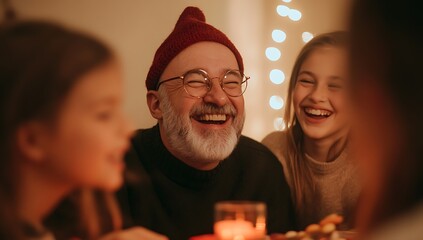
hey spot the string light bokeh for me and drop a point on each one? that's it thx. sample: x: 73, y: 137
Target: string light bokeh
x: 253, y: 26
x: 274, y: 53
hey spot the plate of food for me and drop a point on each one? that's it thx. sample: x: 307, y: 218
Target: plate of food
x: 326, y: 229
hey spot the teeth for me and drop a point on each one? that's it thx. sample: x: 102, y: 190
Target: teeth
x: 317, y: 112
x: 213, y: 117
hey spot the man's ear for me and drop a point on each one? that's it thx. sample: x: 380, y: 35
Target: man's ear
x: 153, y: 103
x: 31, y: 141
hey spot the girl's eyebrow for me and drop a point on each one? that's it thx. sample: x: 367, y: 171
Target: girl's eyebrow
x: 332, y: 77
x: 335, y: 77
x: 306, y: 72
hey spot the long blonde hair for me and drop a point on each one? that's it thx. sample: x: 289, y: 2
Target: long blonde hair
x: 300, y: 174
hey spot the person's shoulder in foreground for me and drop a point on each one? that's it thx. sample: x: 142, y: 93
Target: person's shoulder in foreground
x: 406, y: 226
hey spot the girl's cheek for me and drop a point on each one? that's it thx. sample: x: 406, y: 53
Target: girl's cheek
x: 297, y: 96
x: 339, y: 100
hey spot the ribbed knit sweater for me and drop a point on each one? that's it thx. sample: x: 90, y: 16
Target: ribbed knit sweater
x: 177, y: 200
x: 335, y: 185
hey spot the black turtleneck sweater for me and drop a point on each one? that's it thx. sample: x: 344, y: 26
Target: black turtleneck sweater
x: 176, y: 200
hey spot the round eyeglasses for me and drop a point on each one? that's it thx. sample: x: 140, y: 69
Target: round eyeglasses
x: 197, y: 82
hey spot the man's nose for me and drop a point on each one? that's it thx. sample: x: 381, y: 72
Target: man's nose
x: 216, y: 95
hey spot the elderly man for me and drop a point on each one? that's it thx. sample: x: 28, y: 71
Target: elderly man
x: 195, y: 156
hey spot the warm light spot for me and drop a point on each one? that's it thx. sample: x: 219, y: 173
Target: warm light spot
x: 282, y: 10
x: 277, y: 76
x: 287, y: 1
x: 278, y: 35
x: 261, y: 223
x: 307, y: 36
x: 279, y: 124
x: 276, y: 102
x: 273, y: 54
x: 294, y: 14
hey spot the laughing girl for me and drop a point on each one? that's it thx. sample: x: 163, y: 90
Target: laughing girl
x: 63, y: 135
x: 313, y: 150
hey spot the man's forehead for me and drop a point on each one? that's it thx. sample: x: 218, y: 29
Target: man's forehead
x: 210, y: 56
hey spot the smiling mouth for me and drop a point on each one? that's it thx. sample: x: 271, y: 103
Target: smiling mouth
x: 317, y: 113
x: 211, y: 118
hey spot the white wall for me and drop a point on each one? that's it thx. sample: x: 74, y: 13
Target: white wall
x: 135, y: 28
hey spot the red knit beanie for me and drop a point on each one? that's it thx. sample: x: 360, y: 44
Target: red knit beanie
x: 191, y: 28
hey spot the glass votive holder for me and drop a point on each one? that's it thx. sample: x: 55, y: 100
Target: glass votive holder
x: 240, y: 220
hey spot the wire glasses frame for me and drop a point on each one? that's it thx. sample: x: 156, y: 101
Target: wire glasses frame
x: 197, y: 83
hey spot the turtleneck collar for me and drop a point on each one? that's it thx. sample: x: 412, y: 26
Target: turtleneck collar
x: 177, y: 170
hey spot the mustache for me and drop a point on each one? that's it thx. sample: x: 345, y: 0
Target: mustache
x: 202, y: 109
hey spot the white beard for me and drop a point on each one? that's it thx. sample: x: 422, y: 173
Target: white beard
x: 205, y: 146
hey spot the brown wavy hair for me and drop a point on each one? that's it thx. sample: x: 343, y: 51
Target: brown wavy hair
x: 300, y: 173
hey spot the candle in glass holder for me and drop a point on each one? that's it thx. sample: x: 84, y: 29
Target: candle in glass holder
x: 240, y: 220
